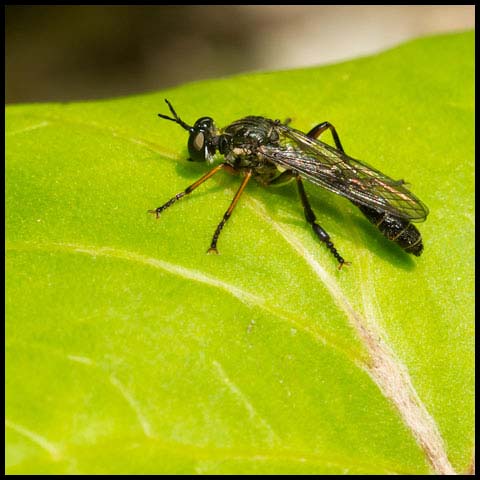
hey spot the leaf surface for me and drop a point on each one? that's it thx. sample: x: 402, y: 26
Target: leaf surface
x: 129, y: 350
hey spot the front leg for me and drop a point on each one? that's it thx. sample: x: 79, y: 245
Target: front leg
x: 189, y: 189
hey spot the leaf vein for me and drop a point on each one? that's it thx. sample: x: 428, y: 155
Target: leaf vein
x: 245, y: 297
x: 43, y: 124
x: 385, y: 369
x: 35, y: 438
x: 145, y: 424
x: 253, y: 414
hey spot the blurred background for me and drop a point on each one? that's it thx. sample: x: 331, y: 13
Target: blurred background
x: 64, y: 53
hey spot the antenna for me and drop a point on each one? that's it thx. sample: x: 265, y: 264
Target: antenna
x: 175, y: 118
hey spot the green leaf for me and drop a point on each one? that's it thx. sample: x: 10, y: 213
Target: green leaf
x: 129, y: 350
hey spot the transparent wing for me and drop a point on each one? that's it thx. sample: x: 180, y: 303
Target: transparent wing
x: 329, y: 168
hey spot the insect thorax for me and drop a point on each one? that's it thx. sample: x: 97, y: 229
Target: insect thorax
x: 253, y: 130
x: 246, y: 136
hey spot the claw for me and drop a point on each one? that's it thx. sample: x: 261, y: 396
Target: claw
x: 155, y: 212
x: 212, y: 250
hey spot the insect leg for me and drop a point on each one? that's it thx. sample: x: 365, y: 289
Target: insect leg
x: 188, y: 190
x: 319, y: 231
x: 226, y: 216
x: 315, y: 132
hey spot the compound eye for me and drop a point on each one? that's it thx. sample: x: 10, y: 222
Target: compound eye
x: 204, y: 123
x: 197, y: 146
x: 199, y: 141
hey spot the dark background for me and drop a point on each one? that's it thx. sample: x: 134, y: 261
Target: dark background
x: 85, y: 52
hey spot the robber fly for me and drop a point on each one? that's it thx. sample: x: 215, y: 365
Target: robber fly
x: 273, y: 153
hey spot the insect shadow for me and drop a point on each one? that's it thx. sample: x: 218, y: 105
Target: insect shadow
x: 192, y: 170
x: 330, y: 207
x: 381, y: 246
x: 324, y: 204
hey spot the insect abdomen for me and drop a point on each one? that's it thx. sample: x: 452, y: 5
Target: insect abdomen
x: 396, y: 229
